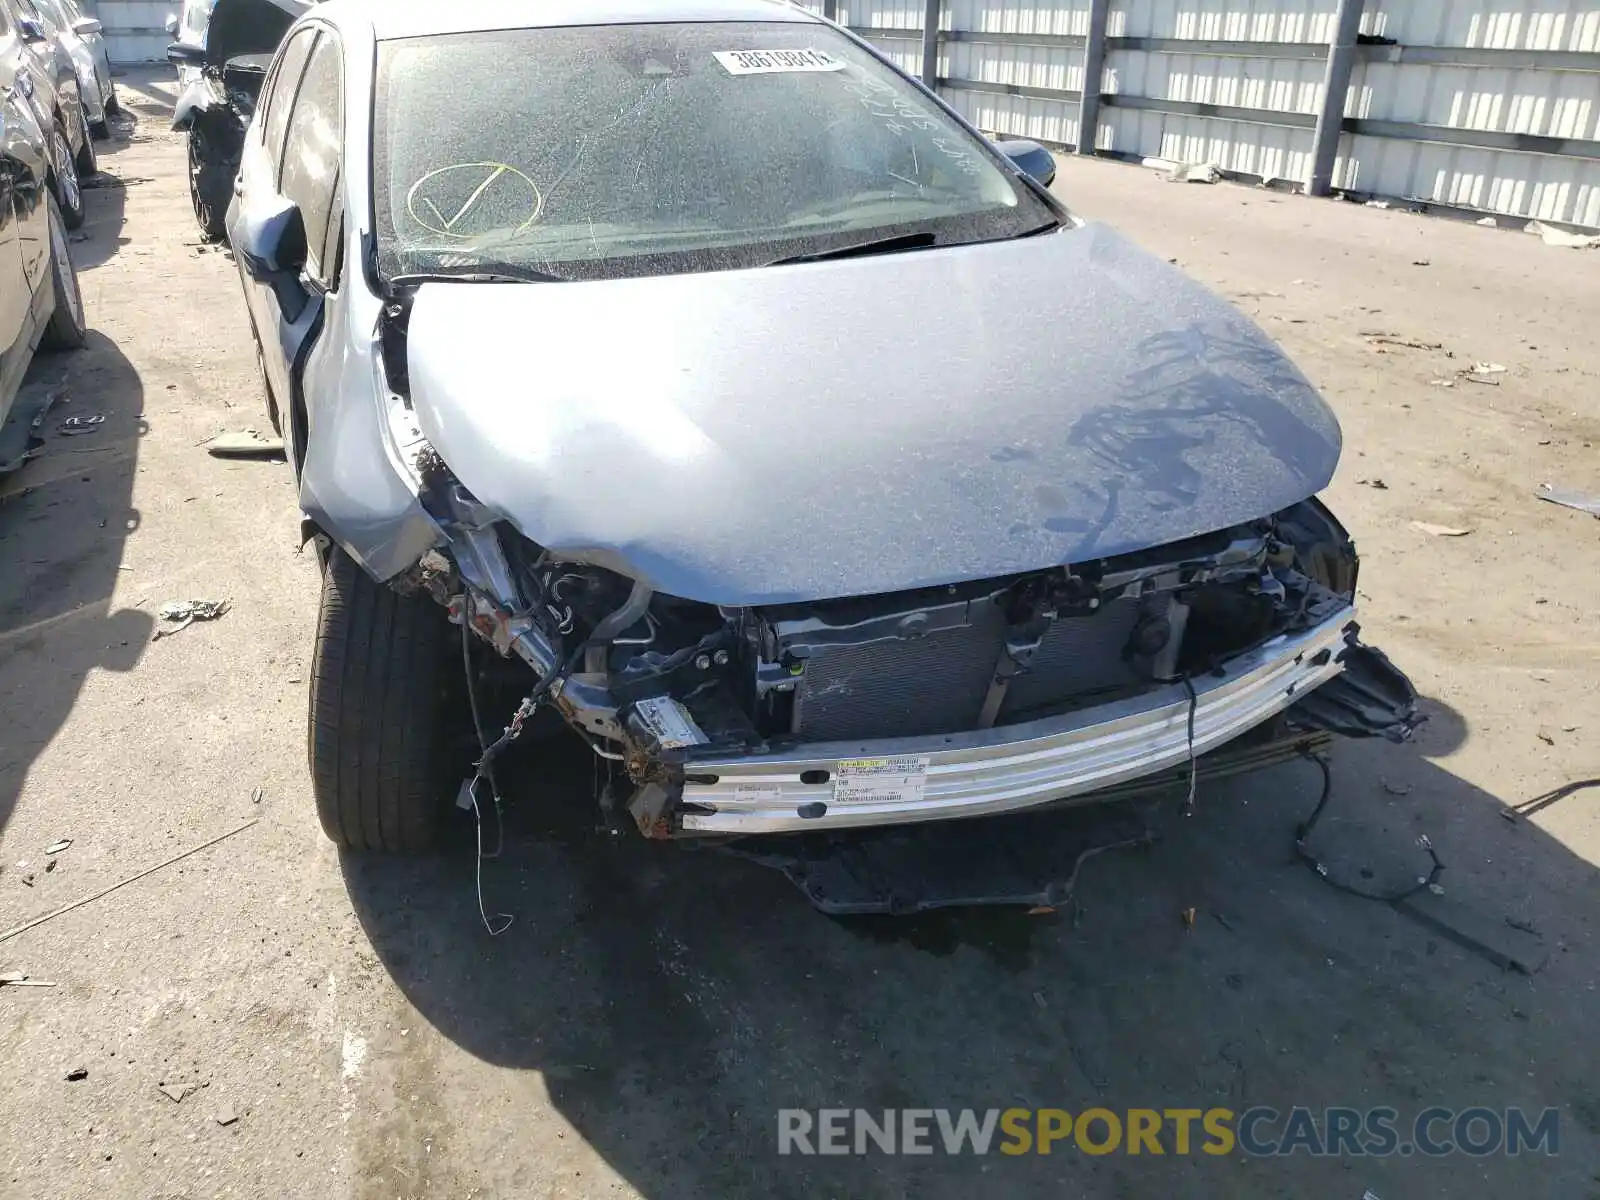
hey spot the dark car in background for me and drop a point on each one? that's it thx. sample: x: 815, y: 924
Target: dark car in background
x: 39, y: 71
x: 223, y: 74
x: 40, y: 304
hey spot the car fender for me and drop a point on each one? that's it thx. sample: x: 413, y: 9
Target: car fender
x: 196, y: 98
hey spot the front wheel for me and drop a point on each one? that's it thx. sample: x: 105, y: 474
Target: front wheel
x: 87, y: 162
x: 210, y: 190
x: 69, y: 192
x: 66, y: 329
x: 376, y: 734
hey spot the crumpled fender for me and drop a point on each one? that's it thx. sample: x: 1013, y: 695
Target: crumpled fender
x: 196, y: 98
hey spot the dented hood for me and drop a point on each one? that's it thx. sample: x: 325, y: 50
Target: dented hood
x: 866, y: 425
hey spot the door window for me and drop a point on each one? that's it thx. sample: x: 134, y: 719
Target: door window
x: 311, y: 154
x: 280, y: 94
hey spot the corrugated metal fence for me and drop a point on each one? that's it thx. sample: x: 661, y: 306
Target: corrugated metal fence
x: 1487, y: 105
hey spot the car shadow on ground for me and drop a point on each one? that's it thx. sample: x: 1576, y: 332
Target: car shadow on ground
x: 675, y: 999
x: 64, y: 518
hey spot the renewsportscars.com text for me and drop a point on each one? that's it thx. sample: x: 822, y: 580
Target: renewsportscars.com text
x: 1257, y: 1132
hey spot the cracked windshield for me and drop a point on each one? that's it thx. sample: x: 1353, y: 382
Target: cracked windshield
x: 593, y: 152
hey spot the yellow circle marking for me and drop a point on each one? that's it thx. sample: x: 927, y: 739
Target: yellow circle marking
x: 426, y: 213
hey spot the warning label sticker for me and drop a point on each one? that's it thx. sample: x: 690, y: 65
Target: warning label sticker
x: 898, y: 780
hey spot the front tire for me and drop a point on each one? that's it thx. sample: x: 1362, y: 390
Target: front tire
x: 68, y: 191
x: 376, y: 741
x: 66, y: 329
x: 210, y: 190
x: 88, y: 163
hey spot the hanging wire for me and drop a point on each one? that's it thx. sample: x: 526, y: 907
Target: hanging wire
x: 1424, y: 883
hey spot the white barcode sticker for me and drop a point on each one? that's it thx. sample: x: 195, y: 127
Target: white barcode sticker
x: 771, y: 62
x: 671, y: 723
x: 898, y: 780
x: 756, y: 793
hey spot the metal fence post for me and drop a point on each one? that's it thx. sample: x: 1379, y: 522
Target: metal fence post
x: 1094, y: 61
x: 1335, y: 90
x: 932, y: 14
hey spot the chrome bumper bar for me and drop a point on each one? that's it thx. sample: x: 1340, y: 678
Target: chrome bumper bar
x: 1013, y: 767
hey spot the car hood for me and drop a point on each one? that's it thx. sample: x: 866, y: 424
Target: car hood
x: 249, y: 26
x: 866, y: 425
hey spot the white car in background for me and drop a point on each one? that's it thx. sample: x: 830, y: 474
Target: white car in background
x: 188, y: 28
x: 79, y: 34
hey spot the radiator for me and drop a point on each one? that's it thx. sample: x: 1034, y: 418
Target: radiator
x: 937, y: 684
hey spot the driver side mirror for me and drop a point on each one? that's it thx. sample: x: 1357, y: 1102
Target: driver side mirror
x: 270, y: 244
x: 1030, y: 158
x: 181, y: 54
x: 87, y: 26
x: 32, y: 32
x: 171, y: 25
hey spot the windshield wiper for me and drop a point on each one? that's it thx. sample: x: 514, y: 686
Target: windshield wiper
x: 506, y: 274
x: 887, y: 245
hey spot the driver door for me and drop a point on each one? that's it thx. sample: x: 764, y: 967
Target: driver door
x: 292, y: 157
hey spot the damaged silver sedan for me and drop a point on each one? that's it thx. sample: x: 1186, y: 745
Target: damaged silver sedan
x: 689, y: 370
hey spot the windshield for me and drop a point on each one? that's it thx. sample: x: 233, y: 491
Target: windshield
x: 602, y: 151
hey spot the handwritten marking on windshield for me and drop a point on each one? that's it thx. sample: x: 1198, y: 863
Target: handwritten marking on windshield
x: 427, y: 194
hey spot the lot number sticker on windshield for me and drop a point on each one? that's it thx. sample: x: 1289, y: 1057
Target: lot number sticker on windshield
x: 899, y: 780
x: 770, y: 62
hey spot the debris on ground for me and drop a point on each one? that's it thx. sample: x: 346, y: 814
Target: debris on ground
x: 1195, y: 172
x: 1487, y: 222
x: 184, y: 613
x: 49, y: 865
x: 1524, y: 926
x: 177, y: 1092
x: 1421, y: 262
x: 1552, y: 236
x: 247, y: 443
x: 78, y: 426
x: 17, y: 930
x: 58, y: 846
x: 1397, y: 789
x: 20, y: 437
x: 1570, y: 499
x: 27, y: 880
x: 226, y: 1115
x: 1439, y: 530
x: 1485, y: 368
x: 1379, y: 484
x: 20, y: 979
x: 1379, y: 337
x: 1527, y: 808
x: 77, y: 1073
x: 1188, y: 918
x: 1222, y: 920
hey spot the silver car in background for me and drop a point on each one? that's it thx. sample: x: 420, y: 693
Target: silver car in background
x: 80, y: 35
x: 36, y: 68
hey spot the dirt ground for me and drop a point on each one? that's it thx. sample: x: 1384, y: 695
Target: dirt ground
x: 639, y: 1026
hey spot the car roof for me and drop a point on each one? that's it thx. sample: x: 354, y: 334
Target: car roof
x: 420, y: 18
